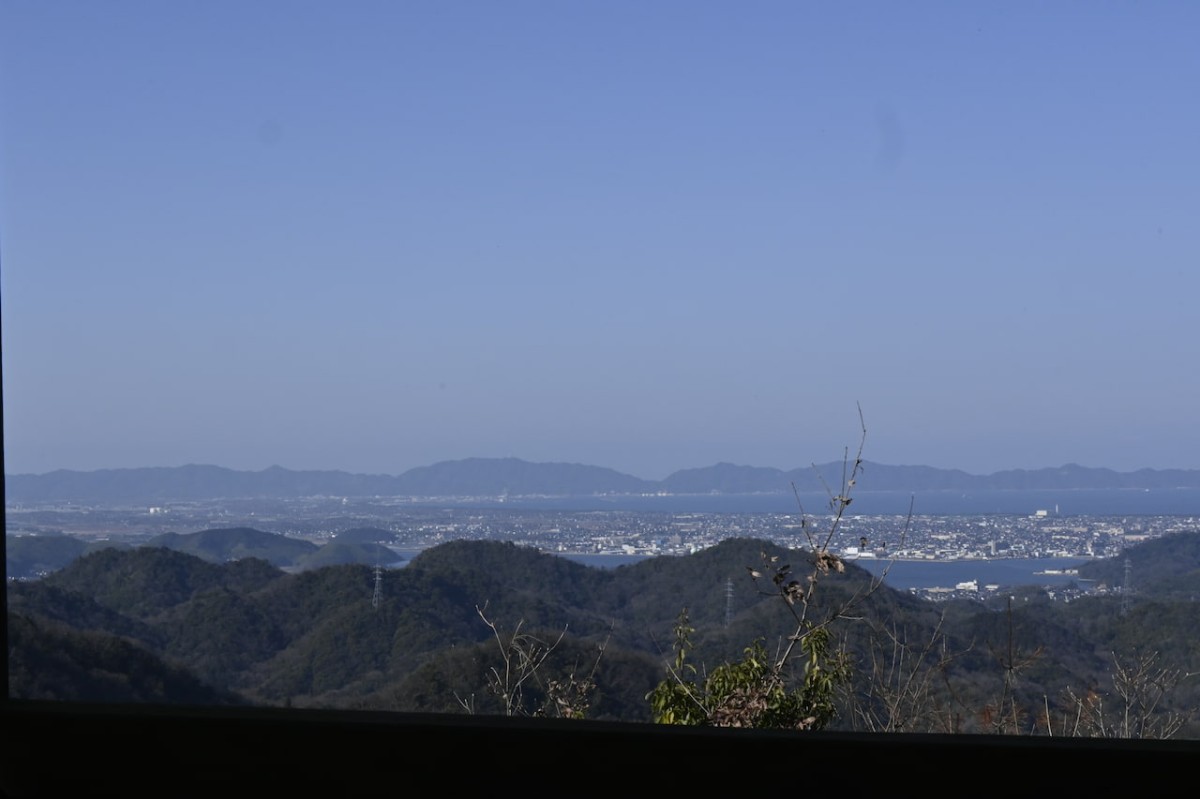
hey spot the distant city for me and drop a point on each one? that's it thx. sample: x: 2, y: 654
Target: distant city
x: 1047, y: 521
x: 607, y: 537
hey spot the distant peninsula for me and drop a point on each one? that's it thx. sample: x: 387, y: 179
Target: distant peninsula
x: 515, y: 477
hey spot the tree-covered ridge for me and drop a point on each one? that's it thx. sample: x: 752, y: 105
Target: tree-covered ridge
x: 1161, y: 568
x: 55, y: 662
x: 149, y: 580
x: 221, y: 545
x: 316, y: 634
x: 73, y: 608
x: 317, y: 638
x: 235, y: 543
x: 33, y: 556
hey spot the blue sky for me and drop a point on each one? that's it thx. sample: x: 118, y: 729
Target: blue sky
x: 650, y: 236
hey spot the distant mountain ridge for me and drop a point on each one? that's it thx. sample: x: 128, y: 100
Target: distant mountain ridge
x: 499, y: 476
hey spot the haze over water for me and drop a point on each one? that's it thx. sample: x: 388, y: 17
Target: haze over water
x: 1077, y: 502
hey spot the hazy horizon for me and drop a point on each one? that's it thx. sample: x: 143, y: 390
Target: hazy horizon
x: 648, y: 237
x: 868, y: 461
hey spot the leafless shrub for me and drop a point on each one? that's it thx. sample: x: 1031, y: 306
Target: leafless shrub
x: 523, y: 658
x: 1134, y: 709
x: 904, y: 689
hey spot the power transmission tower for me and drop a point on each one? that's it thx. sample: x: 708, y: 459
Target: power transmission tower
x: 378, y: 595
x: 728, y: 601
x: 1127, y: 590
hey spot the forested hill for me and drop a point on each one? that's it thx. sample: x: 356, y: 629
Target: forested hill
x: 320, y: 638
x: 501, y: 476
x: 32, y: 556
x: 316, y: 637
x: 1167, y: 567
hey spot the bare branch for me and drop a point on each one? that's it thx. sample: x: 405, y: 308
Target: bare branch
x: 523, y: 658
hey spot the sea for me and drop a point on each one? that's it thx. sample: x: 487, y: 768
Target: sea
x: 904, y: 575
x: 1064, y: 502
x: 901, y: 574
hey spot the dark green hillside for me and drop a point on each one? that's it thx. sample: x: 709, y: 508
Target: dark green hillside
x: 340, y: 553
x: 315, y: 634
x: 297, y: 602
x: 236, y: 543
x: 315, y: 638
x: 320, y: 614
x: 1038, y: 634
x: 49, y: 661
x: 145, y: 581
x: 654, y: 590
x: 1076, y: 646
x: 338, y: 638
x: 516, y: 584
x: 349, y: 644
x: 493, y: 569
x: 1167, y: 567
x: 713, y: 582
x: 73, y: 609
x: 641, y: 602
x: 335, y: 636
x: 32, y: 556
x: 623, y: 679
x: 220, y: 633
x: 1169, y: 628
